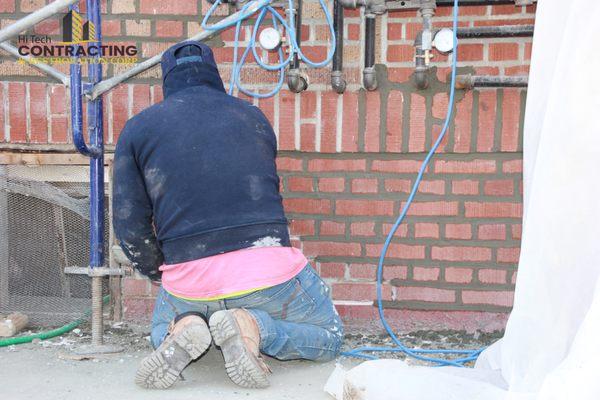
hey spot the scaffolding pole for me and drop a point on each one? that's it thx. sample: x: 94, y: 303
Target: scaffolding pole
x: 37, y: 16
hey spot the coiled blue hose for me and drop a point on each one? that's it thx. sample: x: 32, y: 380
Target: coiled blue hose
x: 419, y: 354
x: 276, y: 20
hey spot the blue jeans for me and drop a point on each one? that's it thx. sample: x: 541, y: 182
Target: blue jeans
x: 296, y: 319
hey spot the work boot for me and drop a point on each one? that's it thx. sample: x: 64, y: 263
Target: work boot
x: 236, y: 332
x: 188, y: 339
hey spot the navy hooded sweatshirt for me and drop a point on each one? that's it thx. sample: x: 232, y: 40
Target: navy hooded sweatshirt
x: 195, y: 174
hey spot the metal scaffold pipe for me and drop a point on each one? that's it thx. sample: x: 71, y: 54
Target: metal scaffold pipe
x: 37, y: 16
x: 56, y: 74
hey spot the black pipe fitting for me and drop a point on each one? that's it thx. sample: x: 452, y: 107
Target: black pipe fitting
x: 369, y: 76
x: 338, y: 83
x: 421, y: 77
x: 296, y: 81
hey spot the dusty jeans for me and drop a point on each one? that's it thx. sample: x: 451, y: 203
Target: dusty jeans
x: 296, y: 319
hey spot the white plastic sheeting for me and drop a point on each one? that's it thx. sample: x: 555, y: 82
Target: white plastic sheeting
x: 551, y: 348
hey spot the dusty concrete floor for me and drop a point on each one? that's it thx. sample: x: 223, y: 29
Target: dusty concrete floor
x: 47, y: 370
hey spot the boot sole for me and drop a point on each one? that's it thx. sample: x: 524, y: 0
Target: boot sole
x: 161, y: 369
x: 242, y: 367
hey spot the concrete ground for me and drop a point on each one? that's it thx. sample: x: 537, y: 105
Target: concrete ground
x: 48, y: 370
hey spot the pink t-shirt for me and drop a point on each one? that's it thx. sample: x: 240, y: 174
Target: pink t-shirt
x: 234, y: 273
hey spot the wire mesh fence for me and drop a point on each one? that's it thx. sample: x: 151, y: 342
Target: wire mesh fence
x: 44, y: 228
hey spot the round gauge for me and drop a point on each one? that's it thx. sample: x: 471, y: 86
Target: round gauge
x: 269, y: 39
x: 444, y: 40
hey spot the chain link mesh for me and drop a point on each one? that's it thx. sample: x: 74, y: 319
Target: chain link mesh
x: 44, y: 227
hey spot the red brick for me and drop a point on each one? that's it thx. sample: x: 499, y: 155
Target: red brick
x: 3, y: 98
x: 470, y: 52
x: 308, y: 137
x: 503, y: 51
x: 329, y: 101
x: 141, y: 98
x: 398, y: 166
x: 495, y: 298
x: 364, y: 207
x: 426, y: 294
x: 329, y: 228
x: 432, y: 187
x: 17, y: 112
x: 394, y: 31
x: 60, y: 129
x: 456, y: 253
x: 7, y: 6
x: 440, y: 105
x: 426, y: 274
x: 169, y: 28
x: 493, y: 210
x: 332, y: 270
x: 138, y: 308
x: 528, y: 48
x: 492, y: 276
x: 307, y: 206
x: 397, y: 250
x: 400, y: 75
x: 393, y: 139
x: 332, y: 184
x: 52, y: 27
x: 302, y: 227
x: 516, y: 231
x: 353, y: 31
x: 350, y: 122
x: 362, y: 271
x: 287, y: 114
x: 326, y: 165
x: 511, y: 114
x: 362, y: 229
x: 504, y: 187
x: 398, y: 185
x: 364, y: 185
x: 289, y: 164
x: 110, y: 27
x: 300, y: 184
x: 395, y: 271
x: 462, y: 124
x: 400, y: 53
x: 458, y: 231
x: 120, y: 103
x: 458, y: 275
x: 433, y: 208
x: 58, y: 100
x: 358, y: 291
x: 123, y: 7
x: 427, y: 230
x: 372, y: 122
x: 402, y: 230
x: 308, y: 105
x: 512, y: 166
x: 138, y: 27
x: 467, y: 187
x: 158, y: 7
x: 505, y: 9
x: 487, y: 120
x: 267, y: 106
x: 508, y: 255
x: 343, y: 249
x: 465, y: 167
x: 418, y: 114
x: 37, y: 113
x: 492, y: 232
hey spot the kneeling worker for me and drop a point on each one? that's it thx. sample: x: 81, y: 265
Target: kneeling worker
x: 197, y: 207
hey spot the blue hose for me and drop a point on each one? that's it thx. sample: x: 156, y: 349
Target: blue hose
x: 419, y: 354
x: 276, y: 20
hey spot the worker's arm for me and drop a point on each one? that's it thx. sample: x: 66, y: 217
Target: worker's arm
x: 132, y: 212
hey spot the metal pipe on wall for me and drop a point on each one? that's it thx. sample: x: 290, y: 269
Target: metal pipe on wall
x: 338, y: 83
x: 495, y: 31
x: 472, y: 81
x: 296, y: 82
x: 369, y: 76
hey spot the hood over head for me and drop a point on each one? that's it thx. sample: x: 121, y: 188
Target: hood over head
x: 189, y: 64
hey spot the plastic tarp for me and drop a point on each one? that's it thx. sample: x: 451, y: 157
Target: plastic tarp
x: 551, y: 346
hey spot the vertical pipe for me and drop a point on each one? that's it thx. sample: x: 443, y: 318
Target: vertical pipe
x: 369, y: 78
x: 296, y: 82
x: 95, y: 131
x: 338, y: 83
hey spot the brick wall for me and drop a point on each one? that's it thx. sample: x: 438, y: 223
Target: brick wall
x: 347, y: 161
